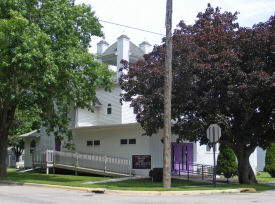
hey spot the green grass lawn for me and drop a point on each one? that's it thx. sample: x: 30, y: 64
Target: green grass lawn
x: 265, y: 177
x: 54, y: 179
x: 135, y: 184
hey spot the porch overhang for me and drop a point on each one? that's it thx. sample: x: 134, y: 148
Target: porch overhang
x: 31, y: 134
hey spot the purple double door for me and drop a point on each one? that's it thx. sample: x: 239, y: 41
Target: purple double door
x: 182, y: 155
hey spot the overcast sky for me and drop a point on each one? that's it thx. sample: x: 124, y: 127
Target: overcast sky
x: 150, y: 15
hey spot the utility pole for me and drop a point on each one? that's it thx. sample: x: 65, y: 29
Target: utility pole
x: 167, y: 98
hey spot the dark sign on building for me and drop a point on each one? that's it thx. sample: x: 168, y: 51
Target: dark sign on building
x: 141, y: 161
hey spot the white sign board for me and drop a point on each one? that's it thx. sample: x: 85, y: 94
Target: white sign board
x: 214, y: 133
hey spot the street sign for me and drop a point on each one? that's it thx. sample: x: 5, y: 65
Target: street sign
x: 213, y: 133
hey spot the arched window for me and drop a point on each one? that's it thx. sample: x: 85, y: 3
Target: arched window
x: 32, y: 146
x: 109, y: 109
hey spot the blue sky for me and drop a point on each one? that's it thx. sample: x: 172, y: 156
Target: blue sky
x: 149, y: 15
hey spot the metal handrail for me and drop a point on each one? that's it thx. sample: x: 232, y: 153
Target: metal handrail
x: 188, y: 168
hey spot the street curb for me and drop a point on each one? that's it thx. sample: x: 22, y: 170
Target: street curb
x: 198, y: 192
x: 102, y: 190
x: 96, y: 190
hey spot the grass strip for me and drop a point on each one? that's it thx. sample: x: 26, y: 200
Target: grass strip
x: 134, y: 184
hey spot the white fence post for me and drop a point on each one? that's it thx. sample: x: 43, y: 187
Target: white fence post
x: 105, y: 163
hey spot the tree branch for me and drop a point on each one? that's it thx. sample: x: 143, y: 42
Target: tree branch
x: 222, y: 117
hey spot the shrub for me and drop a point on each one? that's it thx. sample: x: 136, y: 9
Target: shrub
x: 156, y: 174
x: 271, y: 170
x: 226, y: 163
x: 270, y: 160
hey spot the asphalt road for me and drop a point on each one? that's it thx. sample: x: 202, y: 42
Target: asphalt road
x: 15, y: 194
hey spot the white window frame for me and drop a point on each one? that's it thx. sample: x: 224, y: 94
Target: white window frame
x: 32, y: 148
x: 109, y: 109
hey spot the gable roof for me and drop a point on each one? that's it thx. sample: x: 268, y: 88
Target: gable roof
x: 134, y: 50
x: 30, y: 134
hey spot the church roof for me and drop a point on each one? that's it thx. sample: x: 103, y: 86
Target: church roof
x: 144, y: 43
x: 134, y: 50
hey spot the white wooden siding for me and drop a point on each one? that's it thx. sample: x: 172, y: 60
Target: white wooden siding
x: 71, y: 115
x: 87, y: 118
x: 128, y: 115
x: 260, y: 158
x: 156, y: 149
x: 110, y: 141
x: 110, y: 137
x: 112, y: 98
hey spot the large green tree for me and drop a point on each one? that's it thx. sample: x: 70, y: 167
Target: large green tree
x: 222, y: 73
x: 45, y: 64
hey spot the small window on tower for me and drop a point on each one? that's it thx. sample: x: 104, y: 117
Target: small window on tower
x: 109, y: 109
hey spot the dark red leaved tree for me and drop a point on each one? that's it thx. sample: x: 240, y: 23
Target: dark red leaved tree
x: 221, y: 74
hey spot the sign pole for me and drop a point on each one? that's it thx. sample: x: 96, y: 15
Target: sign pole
x: 214, y: 145
x: 213, y: 134
x: 214, y: 169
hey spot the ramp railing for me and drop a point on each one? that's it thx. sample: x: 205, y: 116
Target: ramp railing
x: 79, y: 160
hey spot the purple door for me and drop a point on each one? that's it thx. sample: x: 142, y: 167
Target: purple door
x: 182, y: 155
x: 57, y: 145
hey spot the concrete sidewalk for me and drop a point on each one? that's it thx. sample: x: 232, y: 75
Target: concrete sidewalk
x: 117, y: 179
x: 206, y: 179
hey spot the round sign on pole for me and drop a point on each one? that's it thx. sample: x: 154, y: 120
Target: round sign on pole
x: 214, y: 133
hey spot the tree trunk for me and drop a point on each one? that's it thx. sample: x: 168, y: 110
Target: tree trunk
x: 246, y: 174
x: 6, y: 119
x: 17, y: 156
x: 3, y: 151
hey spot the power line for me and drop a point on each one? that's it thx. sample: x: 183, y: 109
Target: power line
x: 103, y: 21
x: 267, y: 4
x: 242, y: 16
x: 132, y: 27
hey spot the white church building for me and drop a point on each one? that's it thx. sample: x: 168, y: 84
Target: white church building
x: 112, y: 131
